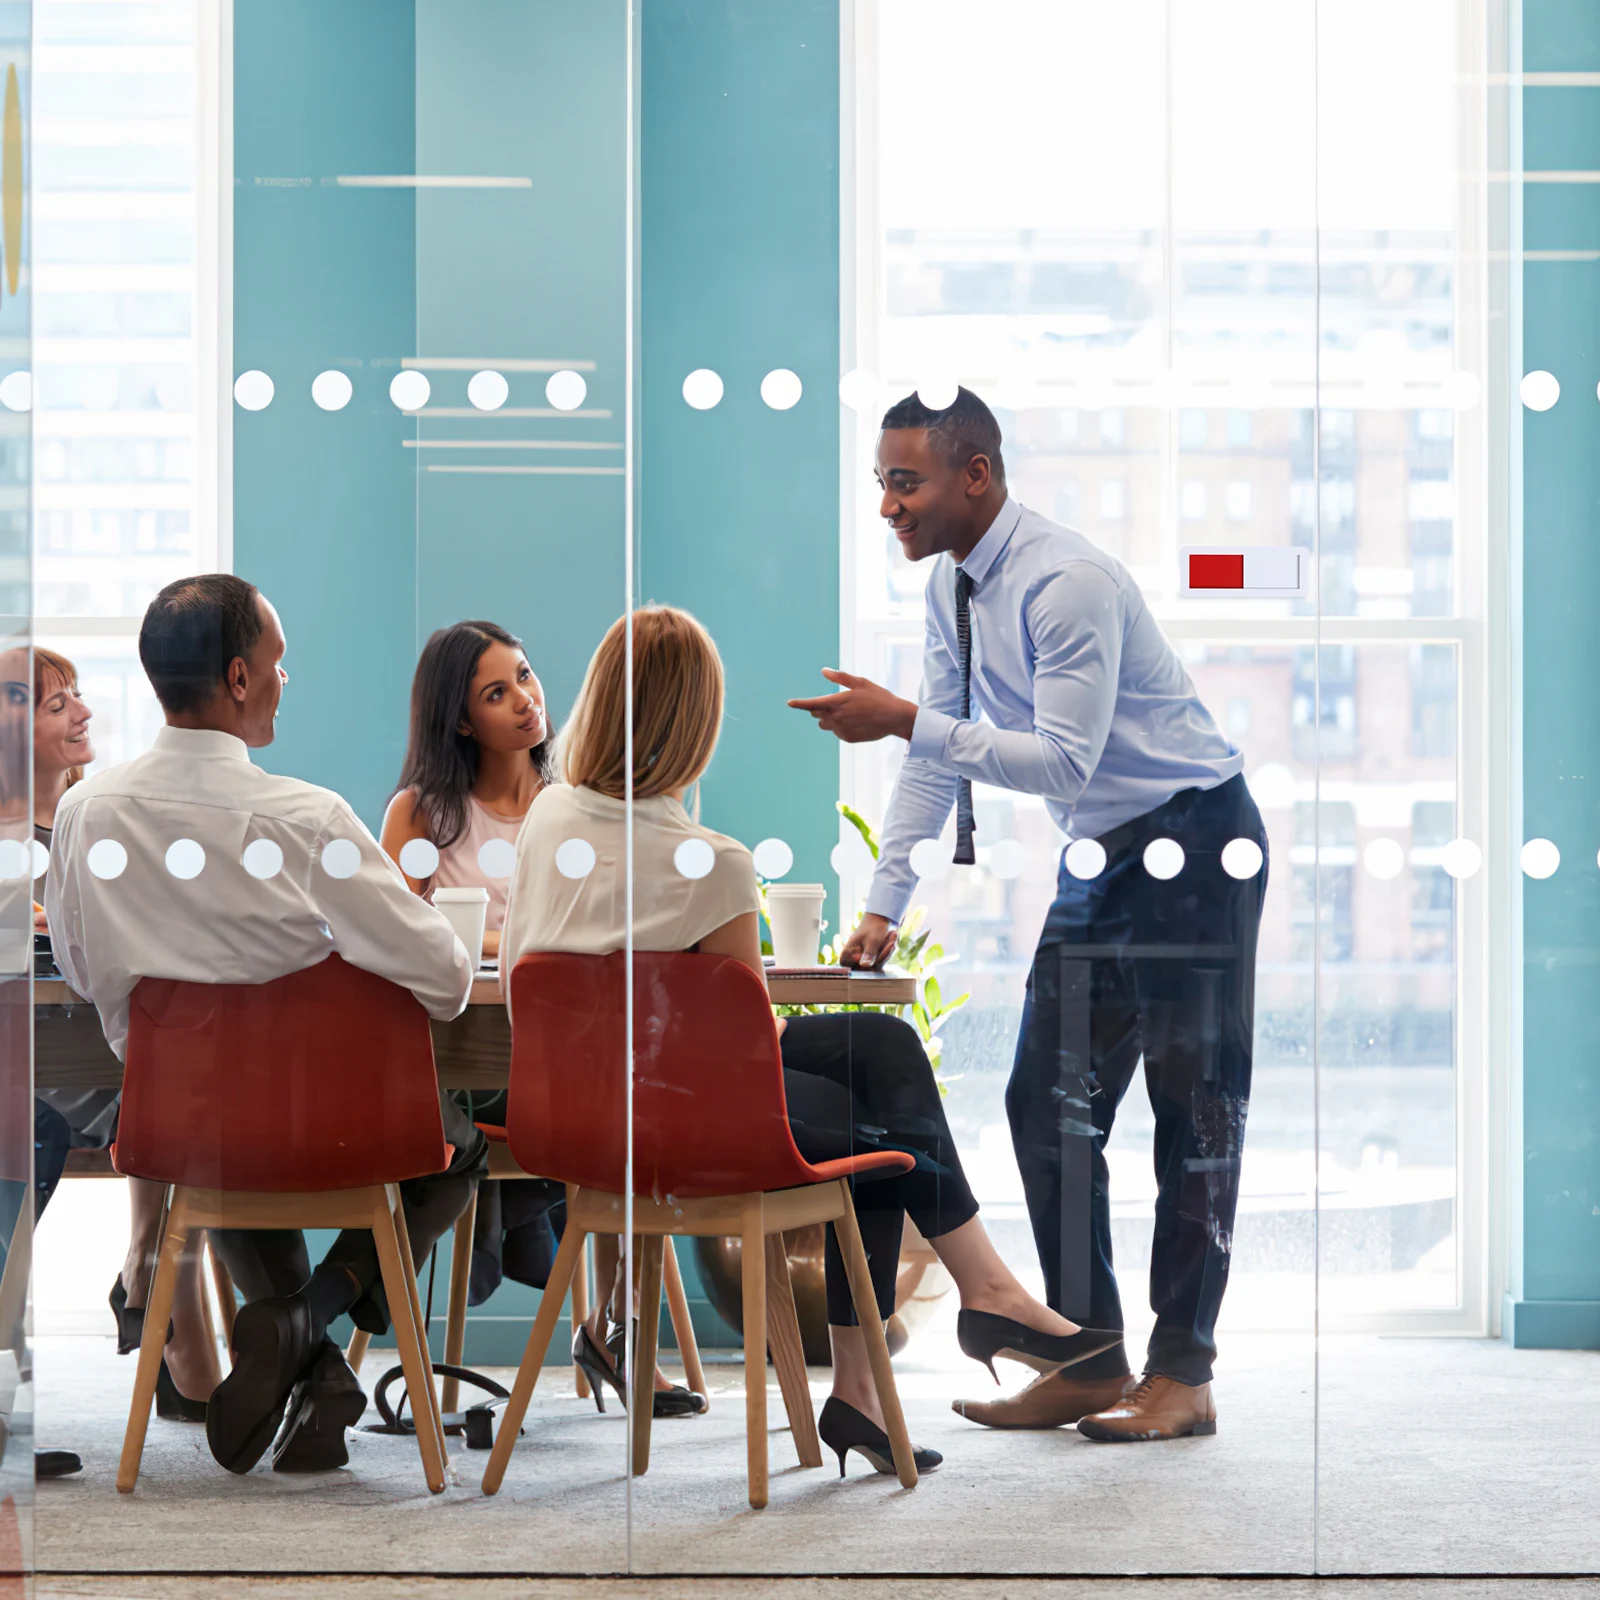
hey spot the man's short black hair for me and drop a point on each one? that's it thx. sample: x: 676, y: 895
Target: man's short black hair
x: 191, y: 633
x: 964, y: 429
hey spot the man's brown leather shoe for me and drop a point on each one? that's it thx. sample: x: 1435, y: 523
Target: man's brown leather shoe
x: 1052, y: 1401
x: 1158, y: 1408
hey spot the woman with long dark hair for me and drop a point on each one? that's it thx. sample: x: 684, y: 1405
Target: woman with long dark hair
x: 475, y: 759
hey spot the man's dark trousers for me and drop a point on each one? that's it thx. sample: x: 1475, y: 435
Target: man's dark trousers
x: 1165, y: 973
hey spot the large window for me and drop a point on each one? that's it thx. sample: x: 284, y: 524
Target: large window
x: 126, y: 357
x: 1197, y: 334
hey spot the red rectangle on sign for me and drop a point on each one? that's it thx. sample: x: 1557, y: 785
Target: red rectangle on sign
x: 1216, y: 572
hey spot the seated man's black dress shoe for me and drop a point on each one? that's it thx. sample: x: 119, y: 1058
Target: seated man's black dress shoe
x: 275, y: 1343
x: 325, y: 1402
x: 55, y: 1463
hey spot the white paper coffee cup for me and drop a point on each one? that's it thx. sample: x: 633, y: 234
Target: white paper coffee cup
x: 466, y: 910
x: 794, y: 913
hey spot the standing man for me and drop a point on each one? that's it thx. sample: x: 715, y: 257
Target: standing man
x: 1044, y: 672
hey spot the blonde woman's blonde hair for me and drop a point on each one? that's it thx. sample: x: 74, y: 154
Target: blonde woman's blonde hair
x: 677, y: 707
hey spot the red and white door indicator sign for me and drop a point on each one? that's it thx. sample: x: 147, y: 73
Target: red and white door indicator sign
x: 1258, y: 572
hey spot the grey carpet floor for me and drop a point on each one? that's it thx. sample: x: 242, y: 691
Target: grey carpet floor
x: 1420, y: 1457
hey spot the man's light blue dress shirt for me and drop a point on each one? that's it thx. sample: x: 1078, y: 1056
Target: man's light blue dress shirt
x: 1076, y: 695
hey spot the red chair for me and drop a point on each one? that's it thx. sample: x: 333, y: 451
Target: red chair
x: 299, y: 1103
x: 712, y: 1155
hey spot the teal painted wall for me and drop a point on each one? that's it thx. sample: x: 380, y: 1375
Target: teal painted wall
x: 1559, y: 1303
x: 325, y: 277
x: 739, y: 506
x: 364, y: 550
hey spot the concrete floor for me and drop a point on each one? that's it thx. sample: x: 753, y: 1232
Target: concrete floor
x: 813, y: 1589
x: 1430, y: 1457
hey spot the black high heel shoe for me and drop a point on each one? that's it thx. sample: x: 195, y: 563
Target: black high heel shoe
x: 593, y: 1365
x: 983, y: 1336
x: 844, y: 1429
x: 677, y: 1401
x: 172, y: 1404
x: 130, y: 1320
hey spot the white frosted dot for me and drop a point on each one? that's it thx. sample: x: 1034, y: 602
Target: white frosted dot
x: 1384, y: 858
x: 930, y: 859
x: 263, y: 858
x: 409, y: 390
x: 40, y: 858
x: 15, y: 860
x: 861, y: 390
x: 497, y: 858
x: 332, y: 389
x: 1086, y: 859
x: 1539, y: 390
x: 938, y: 393
x: 1540, y: 858
x: 851, y: 854
x: 694, y: 858
x: 1461, y: 858
x: 419, y: 858
x: 107, y: 859
x: 781, y: 389
x: 1007, y: 859
x: 773, y: 858
x: 1241, y: 858
x: 16, y: 391
x: 186, y: 858
x: 341, y: 858
x: 1163, y: 858
x: 253, y: 390
x: 566, y: 390
x: 488, y: 390
x: 702, y: 389
x: 574, y: 858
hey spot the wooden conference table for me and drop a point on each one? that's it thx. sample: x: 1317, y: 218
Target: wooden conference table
x: 471, y: 1052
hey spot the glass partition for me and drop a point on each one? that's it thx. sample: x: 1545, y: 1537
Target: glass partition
x: 32, y: 1142
x: 340, y: 300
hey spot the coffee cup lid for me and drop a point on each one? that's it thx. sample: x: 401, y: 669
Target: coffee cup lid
x: 783, y: 891
x: 457, y: 897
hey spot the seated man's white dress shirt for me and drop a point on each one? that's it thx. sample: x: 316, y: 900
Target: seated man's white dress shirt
x: 288, y: 874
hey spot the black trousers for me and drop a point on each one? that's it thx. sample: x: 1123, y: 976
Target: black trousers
x: 274, y: 1261
x: 860, y: 1081
x: 1171, y: 982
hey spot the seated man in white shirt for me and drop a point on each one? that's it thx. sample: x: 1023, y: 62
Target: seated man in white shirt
x: 212, y: 648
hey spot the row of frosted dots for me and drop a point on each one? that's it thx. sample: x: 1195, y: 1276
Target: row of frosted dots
x: 410, y: 390
x: 930, y: 859
x: 1539, y: 390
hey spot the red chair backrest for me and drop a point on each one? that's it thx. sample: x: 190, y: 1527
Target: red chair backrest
x: 322, y: 1079
x: 708, y: 1112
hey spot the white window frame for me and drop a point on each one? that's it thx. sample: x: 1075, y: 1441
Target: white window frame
x: 1483, y: 633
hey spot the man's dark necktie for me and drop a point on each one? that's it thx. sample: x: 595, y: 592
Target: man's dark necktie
x: 965, y: 855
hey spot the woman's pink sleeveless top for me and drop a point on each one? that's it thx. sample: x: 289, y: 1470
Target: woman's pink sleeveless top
x: 459, y: 867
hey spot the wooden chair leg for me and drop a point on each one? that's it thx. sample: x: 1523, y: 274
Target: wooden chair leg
x: 455, y: 1327
x: 789, y: 1354
x: 356, y: 1351
x: 158, y: 1311
x: 580, y: 1312
x: 544, y: 1325
x: 753, y: 1240
x: 866, y: 1304
x: 642, y: 1375
x: 408, y: 1270
x: 222, y: 1282
x: 390, y: 1240
x: 682, y: 1322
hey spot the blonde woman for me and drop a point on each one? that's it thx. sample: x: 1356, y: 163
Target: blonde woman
x: 852, y: 1081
